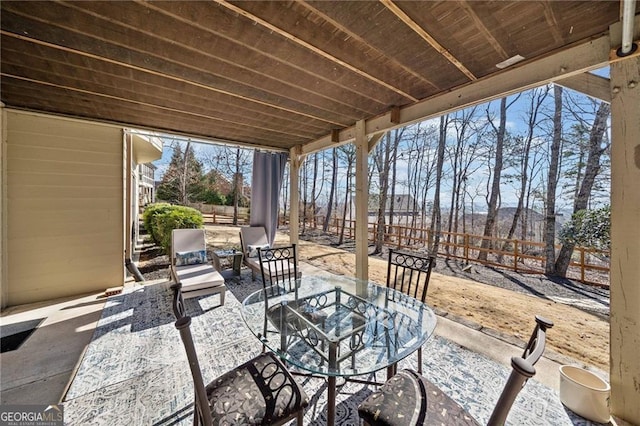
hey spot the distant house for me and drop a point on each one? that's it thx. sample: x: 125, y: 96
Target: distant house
x: 146, y: 184
x: 224, y: 186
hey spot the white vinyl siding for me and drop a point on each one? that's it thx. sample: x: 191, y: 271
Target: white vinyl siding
x: 64, y: 207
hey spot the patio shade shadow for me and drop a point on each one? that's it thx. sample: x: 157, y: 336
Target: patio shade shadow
x: 14, y: 335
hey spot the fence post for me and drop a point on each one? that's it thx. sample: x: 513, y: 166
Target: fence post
x: 466, y: 248
x: 581, y: 264
x: 399, y: 236
x: 515, y: 255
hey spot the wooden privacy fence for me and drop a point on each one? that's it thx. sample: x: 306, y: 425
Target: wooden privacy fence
x: 517, y: 255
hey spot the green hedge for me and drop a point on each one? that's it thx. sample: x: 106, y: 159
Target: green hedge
x: 161, y: 218
x: 150, y: 218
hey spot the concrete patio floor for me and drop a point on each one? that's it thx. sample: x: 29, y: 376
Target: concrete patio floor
x: 39, y: 371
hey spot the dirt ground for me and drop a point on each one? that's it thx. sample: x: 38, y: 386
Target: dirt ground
x: 577, y: 334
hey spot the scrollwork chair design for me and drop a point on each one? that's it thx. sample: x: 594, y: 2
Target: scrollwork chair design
x: 279, y: 268
x: 259, y: 392
x: 410, y: 399
x: 410, y: 274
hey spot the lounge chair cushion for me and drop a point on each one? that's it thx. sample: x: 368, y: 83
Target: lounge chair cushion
x: 252, y: 249
x: 195, y: 257
x: 195, y: 277
x: 276, y: 268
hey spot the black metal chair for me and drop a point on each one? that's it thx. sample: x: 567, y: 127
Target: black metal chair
x: 522, y: 370
x: 178, y: 301
x: 410, y: 399
x: 259, y: 392
x: 279, y: 268
x: 410, y: 274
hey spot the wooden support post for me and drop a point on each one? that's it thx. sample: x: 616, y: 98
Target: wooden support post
x: 515, y: 255
x: 625, y: 234
x: 362, y: 196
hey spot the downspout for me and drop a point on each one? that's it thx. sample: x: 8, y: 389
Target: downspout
x: 133, y: 269
x: 628, y: 16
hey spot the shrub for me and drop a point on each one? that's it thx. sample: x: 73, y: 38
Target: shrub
x: 177, y: 217
x: 589, y: 228
x: 149, y: 218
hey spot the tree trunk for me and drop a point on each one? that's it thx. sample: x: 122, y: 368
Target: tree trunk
x: 537, y: 98
x: 492, y: 208
x: 436, y: 218
x: 381, y: 158
x: 590, y: 172
x: 303, y: 181
x: 552, y: 183
x: 236, y: 188
x: 313, y: 189
x: 185, y: 175
x: 394, y: 160
x: 332, y: 189
x: 285, y: 195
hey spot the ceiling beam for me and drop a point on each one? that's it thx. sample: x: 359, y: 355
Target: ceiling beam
x: 164, y: 75
x: 527, y: 75
x: 312, y: 48
x: 427, y: 37
x: 357, y: 37
x: 138, y: 103
x: 590, y: 84
x: 483, y: 29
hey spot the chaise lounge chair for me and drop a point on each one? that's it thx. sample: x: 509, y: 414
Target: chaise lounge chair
x: 189, y: 265
x: 252, y: 239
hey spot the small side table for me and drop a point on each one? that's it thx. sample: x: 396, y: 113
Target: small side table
x: 234, y: 257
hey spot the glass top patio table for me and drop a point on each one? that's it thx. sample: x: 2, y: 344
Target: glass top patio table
x: 338, y: 326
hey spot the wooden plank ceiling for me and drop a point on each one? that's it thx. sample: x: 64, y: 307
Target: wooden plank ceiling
x: 268, y: 73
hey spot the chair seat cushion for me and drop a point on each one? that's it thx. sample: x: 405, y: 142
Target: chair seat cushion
x: 196, y: 277
x: 410, y: 399
x: 260, y: 391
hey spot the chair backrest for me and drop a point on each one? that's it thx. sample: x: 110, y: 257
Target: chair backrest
x: 409, y: 273
x: 521, y: 370
x: 201, y: 405
x: 534, y: 349
x: 252, y: 235
x: 186, y: 240
x: 178, y: 301
x: 279, y: 269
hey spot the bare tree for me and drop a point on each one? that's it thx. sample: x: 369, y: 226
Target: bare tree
x: 420, y: 165
x: 332, y: 188
x: 463, y: 156
x: 383, y: 158
x: 492, y: 207
x: 536, y: 100
x: 592, y: 167
x: 234, y: 162
x: 552, y: 183
x: 349, y: 153
x: 436, y: 217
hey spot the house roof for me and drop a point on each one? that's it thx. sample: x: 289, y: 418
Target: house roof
x: 278, y: 74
